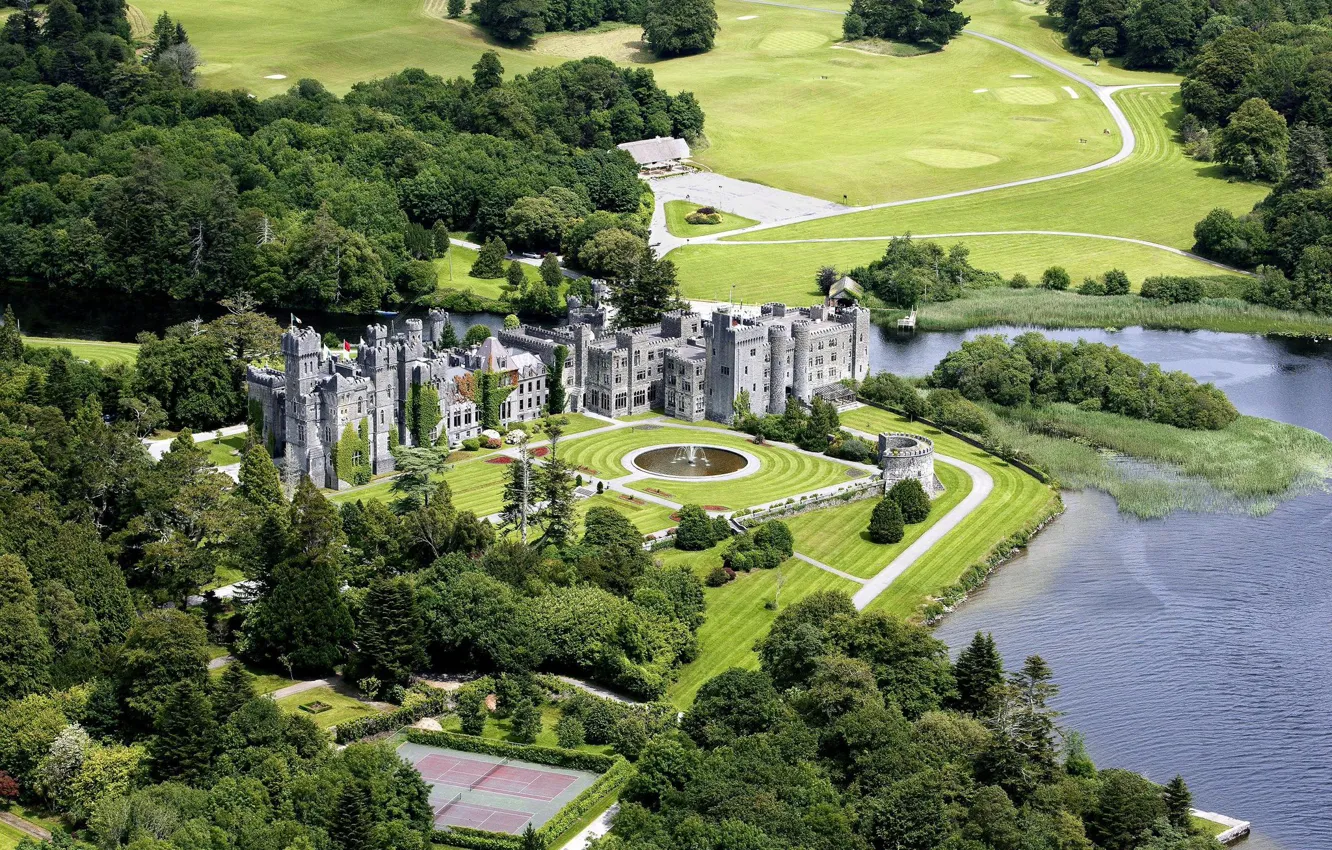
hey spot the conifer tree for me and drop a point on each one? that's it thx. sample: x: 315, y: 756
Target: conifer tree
x: 186, y: 735
x: 490, y: 259
x: 11, y: 342
x: 555, y: 487
x: 912, y: 499
x: 259, y: 480
x: 25, y: 653
x: 885, y: 524
x: 515, y: 277
x: 520, y: 491
x: 233, y: 689
x: 555, y: 396
x: 1178, y: 802
x: 532, y: 839
x: 978, y: 671
x: 526, y: 722
x: 350, y: 829
x: 550, y: 272
x: 390, y: 634
x: 450, y: 337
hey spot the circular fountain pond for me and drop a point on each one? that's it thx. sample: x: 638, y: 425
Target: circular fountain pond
x: 691, y: 461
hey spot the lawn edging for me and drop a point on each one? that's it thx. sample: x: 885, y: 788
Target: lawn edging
x: 615, y: 774
x: 978, y: 573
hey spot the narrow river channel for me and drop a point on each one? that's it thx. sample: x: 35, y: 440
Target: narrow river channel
x: 1199, y: 644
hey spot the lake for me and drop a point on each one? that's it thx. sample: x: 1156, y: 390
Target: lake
x: 1200, y: 644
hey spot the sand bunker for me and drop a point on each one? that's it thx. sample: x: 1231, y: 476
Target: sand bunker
x: 275, y: 77
x: 951, y: 157
x: 1020, y: 76
x: 746, y: 17
x: 1070, y: 91
x: 979, y: 91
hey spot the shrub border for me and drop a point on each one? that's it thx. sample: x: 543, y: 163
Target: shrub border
x: 355, y: 730
x: 615, y: 774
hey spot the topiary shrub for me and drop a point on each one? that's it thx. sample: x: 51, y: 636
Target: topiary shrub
x: 912, y: 499
x: 570, y: 732
x: 471, y: 444
x: 885, y: 524
x: 718, y: 577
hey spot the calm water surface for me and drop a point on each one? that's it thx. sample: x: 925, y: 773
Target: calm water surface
x: 1198, y: 644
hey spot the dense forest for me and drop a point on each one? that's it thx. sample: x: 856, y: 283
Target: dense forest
x: 119, y: 175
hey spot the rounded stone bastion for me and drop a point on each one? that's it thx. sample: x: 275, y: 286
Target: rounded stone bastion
x: 904, y: 456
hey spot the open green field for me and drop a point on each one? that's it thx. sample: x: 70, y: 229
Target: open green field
x: 344, y: 708
x: 101, y: 353
x: 839, y: 536
x: 1157, y: 194
x: 776, y: 75
x: 10, y: 837
x: 761, y: 273
x: 262, y: 682
x: 676, y: 211
x: 477, y: 486
x: 1016, y: 499
x: 736, y: 616
x: 1025, y: 24
x: 225, y: 450
x: 455, y: 272
x: 782, y: 472
x: 646, y: 516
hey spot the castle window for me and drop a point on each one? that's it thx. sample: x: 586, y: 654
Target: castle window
x: 726, y: 370
x: 301, y: 431
x: 357, y: 459
x: 640, y: 398
x: 753, y: 351
x: 833, y: 357
x: 620, y: 400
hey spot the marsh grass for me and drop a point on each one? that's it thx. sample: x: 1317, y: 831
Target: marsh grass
x: 1048, y: 309
x: 1153, y: 469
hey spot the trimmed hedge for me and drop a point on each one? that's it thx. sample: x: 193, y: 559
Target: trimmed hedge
x: 615, y: 774
x: 553, y: 756
x: 355, y: 730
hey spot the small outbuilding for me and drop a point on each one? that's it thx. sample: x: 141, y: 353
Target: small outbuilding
x: 845, y: 290
x: 661, y: 153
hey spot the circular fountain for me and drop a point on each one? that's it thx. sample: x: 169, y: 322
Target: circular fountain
x: 691, y: 461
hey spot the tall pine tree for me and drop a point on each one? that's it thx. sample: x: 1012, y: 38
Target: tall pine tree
x: 259, y: 481
x: 186, y: 735
x: 390, y: 636
x: 25, y: 653
x: 979, y: 671
x: 233, y: 688
x: 1178, y: 803
x: 350, y: 826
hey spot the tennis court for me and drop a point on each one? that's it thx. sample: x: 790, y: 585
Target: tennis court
x: 488, y: 792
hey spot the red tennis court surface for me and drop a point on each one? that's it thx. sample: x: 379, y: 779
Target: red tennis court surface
x: 481, y: 817
x: 498, y: 778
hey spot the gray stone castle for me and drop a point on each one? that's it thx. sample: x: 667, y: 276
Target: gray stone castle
x: 687, y: 366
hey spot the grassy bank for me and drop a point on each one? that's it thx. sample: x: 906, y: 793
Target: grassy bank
x: 1154, y: 469
x: 101, y: 353
x: 759, y: 273
x: 1047, y: 309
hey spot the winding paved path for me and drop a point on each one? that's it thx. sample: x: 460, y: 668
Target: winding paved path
x: 981, y: 486
x: 1105, y: 94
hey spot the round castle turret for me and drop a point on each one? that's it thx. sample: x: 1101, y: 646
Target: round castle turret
x: 776, y: 369
x: 905, y: 456
x: 800, y: 387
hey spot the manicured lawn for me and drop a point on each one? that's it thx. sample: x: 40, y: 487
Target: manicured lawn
x: 455, y: 272
x: 646, y: 516
x: 10, y: 837
x: 761, y: 273
x: 1156, y: 194
x: 223, y: 576
x: 263, y: 682
x: 782, y: 472
x: 1026, y: 25
x: 839, y: 537
x: 677, y: 211
x: 477, y: 487
x: 578, y: 423
x: 1209, y: 827
x: 501, y: 728
x: 736, y: 616
x: 873, y: 127
x: 101, y: 353
x: 1015, y: 500
x: 225, y: 451
x: 343, y: 708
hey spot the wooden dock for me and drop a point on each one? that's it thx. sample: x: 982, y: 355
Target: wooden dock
x: 907, y: 323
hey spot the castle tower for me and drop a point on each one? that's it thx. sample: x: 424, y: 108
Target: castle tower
x: 777, y: 368
x: 301, y: 349
x: 435, y: 323
x: 305, y: 453
x: 860, y: 344
x: 800, y: 387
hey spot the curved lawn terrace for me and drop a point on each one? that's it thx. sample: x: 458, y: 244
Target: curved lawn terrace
x: 782, y: 472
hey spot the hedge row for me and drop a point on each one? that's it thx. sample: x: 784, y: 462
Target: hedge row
x: 355, y: 730
x: 553, y: 756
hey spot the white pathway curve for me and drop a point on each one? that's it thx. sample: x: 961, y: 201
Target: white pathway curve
x: 981, y: 486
